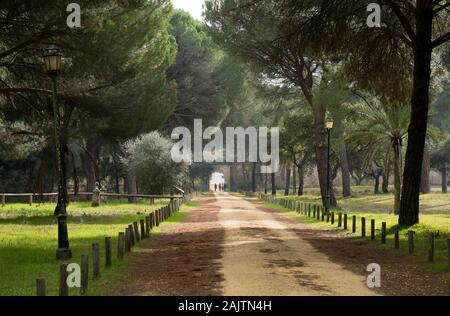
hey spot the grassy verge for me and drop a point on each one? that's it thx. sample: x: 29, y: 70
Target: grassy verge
x: 363, y: 199
x: 28, y: 240
x: 430, y: 223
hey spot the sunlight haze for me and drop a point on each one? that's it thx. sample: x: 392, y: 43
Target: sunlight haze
x: 194, y: 7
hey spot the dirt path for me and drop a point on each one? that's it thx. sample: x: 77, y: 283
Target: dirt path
x: 266, y: 257
x: 235, y: 246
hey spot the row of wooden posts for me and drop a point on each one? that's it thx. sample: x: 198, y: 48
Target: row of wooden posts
x: 321, y: 214
x: 126, y: 240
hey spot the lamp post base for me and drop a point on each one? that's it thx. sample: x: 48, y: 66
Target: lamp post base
x: 63, y: 253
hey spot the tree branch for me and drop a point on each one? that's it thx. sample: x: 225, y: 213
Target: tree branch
x: 403, y: 20
x: 441, y: 40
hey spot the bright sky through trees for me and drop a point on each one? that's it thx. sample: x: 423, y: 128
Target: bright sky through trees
x: 194, y: 7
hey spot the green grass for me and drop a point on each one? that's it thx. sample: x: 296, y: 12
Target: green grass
x: 28, y: 240
x: 429, y: 223
x: 113, y: 207
x: 363, y: 199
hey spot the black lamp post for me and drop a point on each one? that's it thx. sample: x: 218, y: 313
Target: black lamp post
x: 329, y: 126
x: 52, y: 62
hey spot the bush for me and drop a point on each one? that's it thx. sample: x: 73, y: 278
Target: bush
x: 148, y: 158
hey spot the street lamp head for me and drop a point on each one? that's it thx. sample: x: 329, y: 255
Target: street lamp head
x: 329, y: 124
x: 52, y: 60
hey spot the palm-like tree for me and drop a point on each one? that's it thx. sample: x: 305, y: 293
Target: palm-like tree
x: 382, y: 129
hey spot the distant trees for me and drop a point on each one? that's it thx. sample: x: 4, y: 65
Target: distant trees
x: 440, y: 160
x: 207, y: 79
x: 253, y: 31
x: 296, y: 143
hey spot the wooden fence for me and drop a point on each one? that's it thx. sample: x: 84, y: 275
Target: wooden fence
x: 31, y: 197
x: 127, y: 239
x: 319, y: 213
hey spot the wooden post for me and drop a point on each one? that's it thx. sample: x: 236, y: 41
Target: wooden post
x: 396, y: 237
x: 108, y: 251
x: 136, y: 232
x: 332, y: 218
x: 40, y: 287
x: 127, y: 239
x: 147, y: 226
x: 157, y: 217
x: 31, y: 200
x: 345, y: 221
x: 363, y: 227
x: 340, y: 219
x: 431, y: 247
x: 152, y: 220
x: 323, y: 213
x: 327, y: 215
x: 130, y: 228
x: 84, y: 273
x: 411, y: 241
x: 372, y: 229
x: 354, y: 224
x: 3, y: 199
x: 96, y: 260
x: 143, y: 234
x: 63, y: 288
x: 120, y: 245
x: 309, y: 209
x: 314, y: 212
x: 383, y: 232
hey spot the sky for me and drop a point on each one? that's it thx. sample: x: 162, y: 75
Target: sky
x: 194, y: 7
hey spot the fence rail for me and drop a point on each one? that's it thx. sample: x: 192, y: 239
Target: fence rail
x: 31, y: 196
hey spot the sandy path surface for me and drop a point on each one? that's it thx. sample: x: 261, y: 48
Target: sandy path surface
x: 264, y: 256
x: 235, y: 246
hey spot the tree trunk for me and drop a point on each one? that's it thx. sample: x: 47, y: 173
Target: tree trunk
x: 320, y: 148
x: 294, y: 180
x: 386, y: 173
x: 41, y: 176
x: 254, y: 177
x: 301, y: 181
x: 132, y: 187
x: 274, y: 185
x: 90, y: 167
x: 233, y: 178
x: 345, y: 170
x: 425, y: 186
x: 74, y: 175
x: 265, y: 183
x: 397, y: 176
x: 288, y: 182
x: 376, y: 189
x: 409, y: 207
x: 444, y: 173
